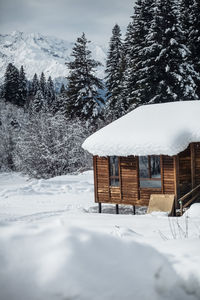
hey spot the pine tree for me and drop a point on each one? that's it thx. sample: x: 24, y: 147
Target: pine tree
x: 126, y: 50
x: 43, y: 85
x: 172, y: 72
x: 134, y: 43
x: 114, y: 72
x: 35, y: 85
x: 193, y: 38
x: 22, y: 87
x: 37, y: 104
x: 11, y: 84
x: 50, y: 92
x: 83, y: 85
x: 160, y: 67
x: 62, y: 89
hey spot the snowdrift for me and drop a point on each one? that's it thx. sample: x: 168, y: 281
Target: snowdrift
x: 56, y: 262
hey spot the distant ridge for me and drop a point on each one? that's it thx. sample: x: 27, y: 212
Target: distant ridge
x: 39, y: 53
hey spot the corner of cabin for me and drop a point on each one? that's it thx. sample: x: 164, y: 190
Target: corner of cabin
x: 133, y: 161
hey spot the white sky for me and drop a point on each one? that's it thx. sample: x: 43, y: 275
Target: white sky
x: 66, y: 19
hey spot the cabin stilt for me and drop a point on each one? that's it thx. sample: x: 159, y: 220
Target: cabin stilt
x: 99, y: 208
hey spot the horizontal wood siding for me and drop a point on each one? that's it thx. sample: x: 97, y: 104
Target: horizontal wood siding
x: 145, y: 194
x: 129, y: 191
x: 129, y: 179
x: 197, y: 163
x: 115, y: 196
x: 168, y: 175
x: 184, y: 176
x: 102, y: 171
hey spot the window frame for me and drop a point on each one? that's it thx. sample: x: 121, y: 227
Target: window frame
x: 150, y: 178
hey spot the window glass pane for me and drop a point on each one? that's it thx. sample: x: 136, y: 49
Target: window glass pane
x: 143, y: 163
x: 149, y: 171
x: 114, y: 181
x: 150, y: 183
x: 114, y: 171
x: 155, y: 166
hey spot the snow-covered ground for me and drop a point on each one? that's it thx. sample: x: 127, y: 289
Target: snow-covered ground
x: 54, y: 245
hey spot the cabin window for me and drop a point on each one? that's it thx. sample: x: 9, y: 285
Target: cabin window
x: 149, y: 171
x: 114, y: 170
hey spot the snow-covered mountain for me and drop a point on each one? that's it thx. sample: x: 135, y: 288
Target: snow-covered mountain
x: 39, y: 53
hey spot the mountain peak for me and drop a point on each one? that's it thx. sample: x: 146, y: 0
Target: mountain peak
x: 39, y: 53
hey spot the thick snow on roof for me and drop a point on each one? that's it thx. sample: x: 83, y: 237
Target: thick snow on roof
x: 151, y: 129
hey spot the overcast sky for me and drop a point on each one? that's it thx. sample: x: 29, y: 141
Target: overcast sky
x: 66, y: 19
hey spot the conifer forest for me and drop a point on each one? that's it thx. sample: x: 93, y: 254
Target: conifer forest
x: 156, y: 61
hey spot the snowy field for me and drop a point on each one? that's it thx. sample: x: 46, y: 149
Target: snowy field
x: 55, y: 246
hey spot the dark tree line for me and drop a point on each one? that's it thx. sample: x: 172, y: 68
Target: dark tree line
x: 37, y: 93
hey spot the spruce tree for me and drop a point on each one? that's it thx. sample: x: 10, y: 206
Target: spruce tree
x: 114, y: 72
x: 35, y: 85
x: 62, y: 89
x: 43, y: 85
x: 194, y: 39
x: 134, y: 43
x: 22, y: 87
x: 160, y: 67
x: 11, y: 84
x: 50, y: 92
x: 83, y: 96
x: 38, y: 104
x: 169, y: 62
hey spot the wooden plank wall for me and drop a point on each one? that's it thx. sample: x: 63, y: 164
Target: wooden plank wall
x: 145, y: 194
x: 184, y: 176
x: 128, y: 191
x: 197, y: 163
x: 168, y: 178
x: 102, y: 179
x: 129, y: 179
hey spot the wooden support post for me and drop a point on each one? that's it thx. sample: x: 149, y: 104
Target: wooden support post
x: 117, y: 209
x: 181, y: 208
x: 95, y: 178
x: 176, y: 182
x: 100, y: 208
x: 134, y: 209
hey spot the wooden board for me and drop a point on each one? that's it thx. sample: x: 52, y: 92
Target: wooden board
x: 102, y: 180
x: 161, y: 202
x: 168, y: 179
x: 129, y: 179
x: 184, y: 177
x: 197, y: 163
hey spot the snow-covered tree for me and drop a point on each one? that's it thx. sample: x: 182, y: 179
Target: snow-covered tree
x: 37, y: 103
x: 193, y: 36
x: 173, y: 73
x: 11, y: 118
x: 159, y: 68
x: 50, y: 92
x: 114, y: 72
x: 22, y: 87
x: 11, y: 84
x: 134, y: 43
x: 49, y: 145
x: 43, y: 84
x: 82, y: 91
x: 62, y: 89
x: 35, y: 85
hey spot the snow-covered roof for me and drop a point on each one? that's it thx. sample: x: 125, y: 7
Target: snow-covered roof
x: 151, y: 129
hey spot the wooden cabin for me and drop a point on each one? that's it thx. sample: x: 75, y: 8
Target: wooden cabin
x: 133, y: 161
